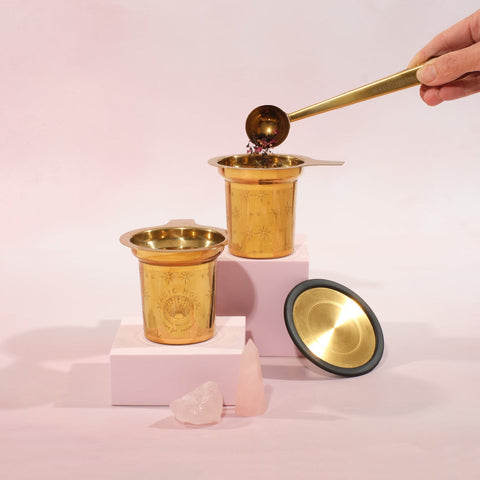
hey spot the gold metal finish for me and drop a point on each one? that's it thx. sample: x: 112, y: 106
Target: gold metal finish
x: 334, y: 327
x: 177, y: 275
x: 267, y: 126
x: 260, y: 197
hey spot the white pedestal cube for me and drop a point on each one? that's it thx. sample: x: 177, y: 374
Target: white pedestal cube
x: 148, y: 373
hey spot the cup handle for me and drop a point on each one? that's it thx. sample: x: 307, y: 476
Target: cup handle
x: 310, y: 162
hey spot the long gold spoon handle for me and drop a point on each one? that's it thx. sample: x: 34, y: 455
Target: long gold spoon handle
x: 398, y: 81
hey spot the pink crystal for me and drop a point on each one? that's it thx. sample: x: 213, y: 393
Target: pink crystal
x: 250, y: 399
x: 202, y: 406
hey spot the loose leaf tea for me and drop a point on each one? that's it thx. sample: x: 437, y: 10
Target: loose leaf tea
x: 253, y: 148
x: 262, y: 159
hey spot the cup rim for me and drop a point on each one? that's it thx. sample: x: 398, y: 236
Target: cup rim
x: 296, y: 161
x: 127, y: 238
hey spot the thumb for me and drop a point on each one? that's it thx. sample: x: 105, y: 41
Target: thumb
x: 451, y: 66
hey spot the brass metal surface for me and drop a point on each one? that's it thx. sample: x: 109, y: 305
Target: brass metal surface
x: 177, y: 275
x: 260, y: 193
x: 334, y: 327
x: 267, y: 126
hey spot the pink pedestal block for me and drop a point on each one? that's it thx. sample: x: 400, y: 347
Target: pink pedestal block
x: 257, y: 289
x: 147, y: 373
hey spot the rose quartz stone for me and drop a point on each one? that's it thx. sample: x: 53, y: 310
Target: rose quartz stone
x: 202, y: 406
x: 250, y: 399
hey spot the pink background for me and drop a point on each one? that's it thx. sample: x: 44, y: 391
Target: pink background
x: 109, y: 113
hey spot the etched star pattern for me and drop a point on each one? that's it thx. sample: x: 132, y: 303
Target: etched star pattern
x: 262, y: 196
x: 289, y: 207
x: 168, y: 277
x: 249, y: 234
x: 275, y: 212
x: 264, y: 233
x: 185, y: 276
x: 246, y: 195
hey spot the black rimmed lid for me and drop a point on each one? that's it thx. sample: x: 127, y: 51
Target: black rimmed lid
x: 333, y: 327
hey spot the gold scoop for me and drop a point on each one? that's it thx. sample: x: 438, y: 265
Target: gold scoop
x: 267, y: 126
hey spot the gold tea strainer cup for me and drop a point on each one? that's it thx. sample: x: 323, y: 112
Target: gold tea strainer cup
x: 177, y: 275
x: 260, y: 193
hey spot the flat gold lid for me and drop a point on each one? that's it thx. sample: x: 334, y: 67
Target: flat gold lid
x: 333, y: 327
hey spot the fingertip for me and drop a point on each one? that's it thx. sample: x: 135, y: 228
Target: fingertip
x: 431, y: 96
x: 427, y: 74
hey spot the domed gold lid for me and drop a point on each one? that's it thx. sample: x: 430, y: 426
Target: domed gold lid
x: 333, y: 327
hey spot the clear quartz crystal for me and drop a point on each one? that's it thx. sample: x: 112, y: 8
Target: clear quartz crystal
x: 202, y: 406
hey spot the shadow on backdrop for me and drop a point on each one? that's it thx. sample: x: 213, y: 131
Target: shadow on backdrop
x: 31, y: 381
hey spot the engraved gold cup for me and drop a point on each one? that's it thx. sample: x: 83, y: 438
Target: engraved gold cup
x: 177, y: 275
x: 260, y: 192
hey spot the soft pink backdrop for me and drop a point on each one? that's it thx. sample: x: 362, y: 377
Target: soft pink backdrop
x: 109, y: 113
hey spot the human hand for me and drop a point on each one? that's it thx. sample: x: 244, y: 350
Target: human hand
x: 456, y: 71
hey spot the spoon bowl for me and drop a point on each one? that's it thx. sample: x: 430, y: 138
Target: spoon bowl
x: 267, y: 126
